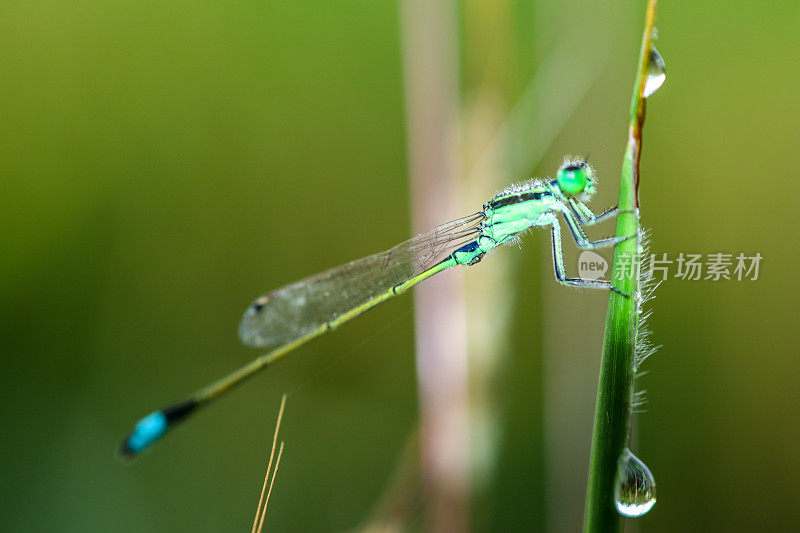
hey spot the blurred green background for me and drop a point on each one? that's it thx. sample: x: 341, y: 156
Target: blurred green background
x: 164, y: 163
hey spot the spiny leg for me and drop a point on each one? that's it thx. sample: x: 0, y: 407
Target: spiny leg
x: 580, y: 237
x: 560, y: 271
x: 587, y: 218
x: 585, y: 215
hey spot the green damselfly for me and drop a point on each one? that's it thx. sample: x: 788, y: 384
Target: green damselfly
x: 289, y: 317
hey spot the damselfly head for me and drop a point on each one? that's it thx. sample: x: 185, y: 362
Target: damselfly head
x: 576, y: 178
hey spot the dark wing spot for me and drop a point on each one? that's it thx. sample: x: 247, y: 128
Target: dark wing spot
x: 259, y: 304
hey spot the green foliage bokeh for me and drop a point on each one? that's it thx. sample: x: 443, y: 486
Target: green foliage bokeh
x: 164, y: 163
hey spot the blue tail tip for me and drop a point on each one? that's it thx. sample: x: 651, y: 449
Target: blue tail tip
x: 147, y: 431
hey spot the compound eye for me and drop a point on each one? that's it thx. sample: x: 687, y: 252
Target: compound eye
x: 572, y: 178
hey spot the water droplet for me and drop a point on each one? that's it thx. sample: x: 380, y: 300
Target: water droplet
x: 636, y: 488
x: 656, y: 72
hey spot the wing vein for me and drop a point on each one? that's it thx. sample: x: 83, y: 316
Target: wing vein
x: 294, y: 310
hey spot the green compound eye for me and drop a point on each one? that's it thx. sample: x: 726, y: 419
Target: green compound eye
x: 572, y: 179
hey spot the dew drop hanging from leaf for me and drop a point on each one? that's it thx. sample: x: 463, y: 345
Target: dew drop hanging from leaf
x: 636, y: 489
x: 656, y: 72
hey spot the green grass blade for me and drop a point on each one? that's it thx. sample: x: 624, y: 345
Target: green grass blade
x: 615, y: 387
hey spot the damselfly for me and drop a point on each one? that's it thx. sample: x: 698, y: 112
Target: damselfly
x: 293, y: 315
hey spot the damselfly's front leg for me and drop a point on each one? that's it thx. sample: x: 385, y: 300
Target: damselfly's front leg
x: 585, y: 215
x: 580, y: 237
x: 560, y: 271
x: 587, y: 218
